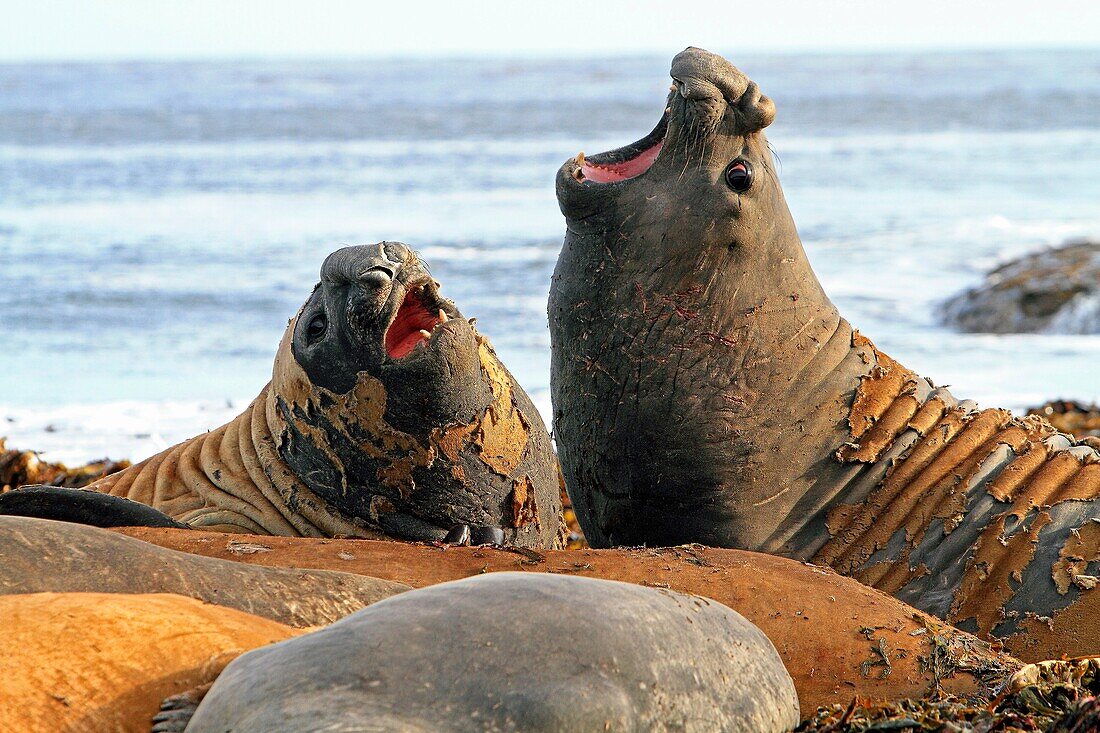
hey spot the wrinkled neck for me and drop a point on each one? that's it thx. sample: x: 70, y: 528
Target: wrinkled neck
x: 757, y: 305
x: 739, y: 369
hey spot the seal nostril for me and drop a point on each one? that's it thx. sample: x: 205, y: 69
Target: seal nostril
x: 378, y: 276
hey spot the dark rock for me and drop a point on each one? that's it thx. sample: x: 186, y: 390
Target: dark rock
x: 1051, y: 291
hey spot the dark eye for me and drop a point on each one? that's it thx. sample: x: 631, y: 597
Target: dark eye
x: 316, y: 327
x: 739, y: 175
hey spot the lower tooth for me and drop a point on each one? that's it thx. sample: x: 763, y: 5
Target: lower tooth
x: 425, y: 334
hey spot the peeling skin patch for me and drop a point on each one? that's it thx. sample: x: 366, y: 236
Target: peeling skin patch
x: 357, y: 416
x: 1022, y: 463
x: 996, y: 567
x: 524, y: 509
x: 503, y: 431
x: 500, y: 435
x: 1082, y: 548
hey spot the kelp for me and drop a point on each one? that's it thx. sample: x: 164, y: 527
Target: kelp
x: 24, y: 467
x: 1048, y: 697
x: 1076, y: 418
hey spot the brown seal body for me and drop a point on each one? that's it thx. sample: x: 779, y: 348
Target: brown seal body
x: 104, y: 661
x: 837, y: 637
x: 706, y: 390
x: 387, y: 414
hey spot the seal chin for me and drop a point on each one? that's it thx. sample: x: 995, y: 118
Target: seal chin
x: 417, y: 324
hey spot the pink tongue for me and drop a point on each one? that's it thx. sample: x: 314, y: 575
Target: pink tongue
x: 622, y: 171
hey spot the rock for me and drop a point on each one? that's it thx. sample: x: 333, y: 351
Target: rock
x: 1051, y: 291
x: 93, y: 662
x: 837, y: 638
x: 39, y: 555
x: 514, y: 652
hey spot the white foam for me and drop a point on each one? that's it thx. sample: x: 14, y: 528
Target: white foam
x: 271, y: 218
x: 1080, y: 315
x: 75, y: 433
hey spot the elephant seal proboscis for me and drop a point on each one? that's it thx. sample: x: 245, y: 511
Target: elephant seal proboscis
x: 44, y: 556
x: 387, y: 414
x: 514, y: 652
x: 705, y: 389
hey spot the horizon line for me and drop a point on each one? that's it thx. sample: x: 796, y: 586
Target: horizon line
x: 563, y: 54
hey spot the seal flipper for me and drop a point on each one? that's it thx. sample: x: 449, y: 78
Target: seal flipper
x: 406, y: 527
x: 413, y: 529
x: 474, y: 534
x: 82, y: 506
x: 176, y: 711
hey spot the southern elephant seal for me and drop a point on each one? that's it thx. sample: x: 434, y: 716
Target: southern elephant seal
x: 705, y: 389
x: 387, y: 414
x: 837, y: 637
x: 43, y: 556
x: 514, y: 652
x: 104, y: 662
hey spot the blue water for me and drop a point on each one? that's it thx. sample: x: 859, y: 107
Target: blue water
x: 159, y: 222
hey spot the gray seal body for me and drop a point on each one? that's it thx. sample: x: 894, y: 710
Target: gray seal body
x: 514, y: 652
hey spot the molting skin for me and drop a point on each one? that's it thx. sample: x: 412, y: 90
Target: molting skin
x: 387, y: 415
x: 705, y: 389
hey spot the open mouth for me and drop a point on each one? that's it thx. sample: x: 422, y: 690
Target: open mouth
x: 622, y: 164
x: 412, y: 326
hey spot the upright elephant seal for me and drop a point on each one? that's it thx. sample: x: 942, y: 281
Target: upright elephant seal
x: 514, y: 652
x: 705, y: 389
x: 386, y: 414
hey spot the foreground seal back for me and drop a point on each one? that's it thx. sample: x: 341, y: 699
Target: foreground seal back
x: 818, y: 620
x: 535, y: 652
x: 104, y: 662
x: 43, y: 556
x: 705, y: 389
x: 387, y: 414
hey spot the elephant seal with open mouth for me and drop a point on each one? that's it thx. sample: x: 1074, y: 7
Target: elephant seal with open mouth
x: 387, y: 414
x: 705, y: 389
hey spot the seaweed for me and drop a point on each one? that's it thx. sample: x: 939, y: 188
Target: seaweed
x: 1078, y: 419
x: 24, y: 467
x: 1048, y: 697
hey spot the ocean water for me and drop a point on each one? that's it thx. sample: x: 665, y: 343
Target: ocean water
x: 160, y: 222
